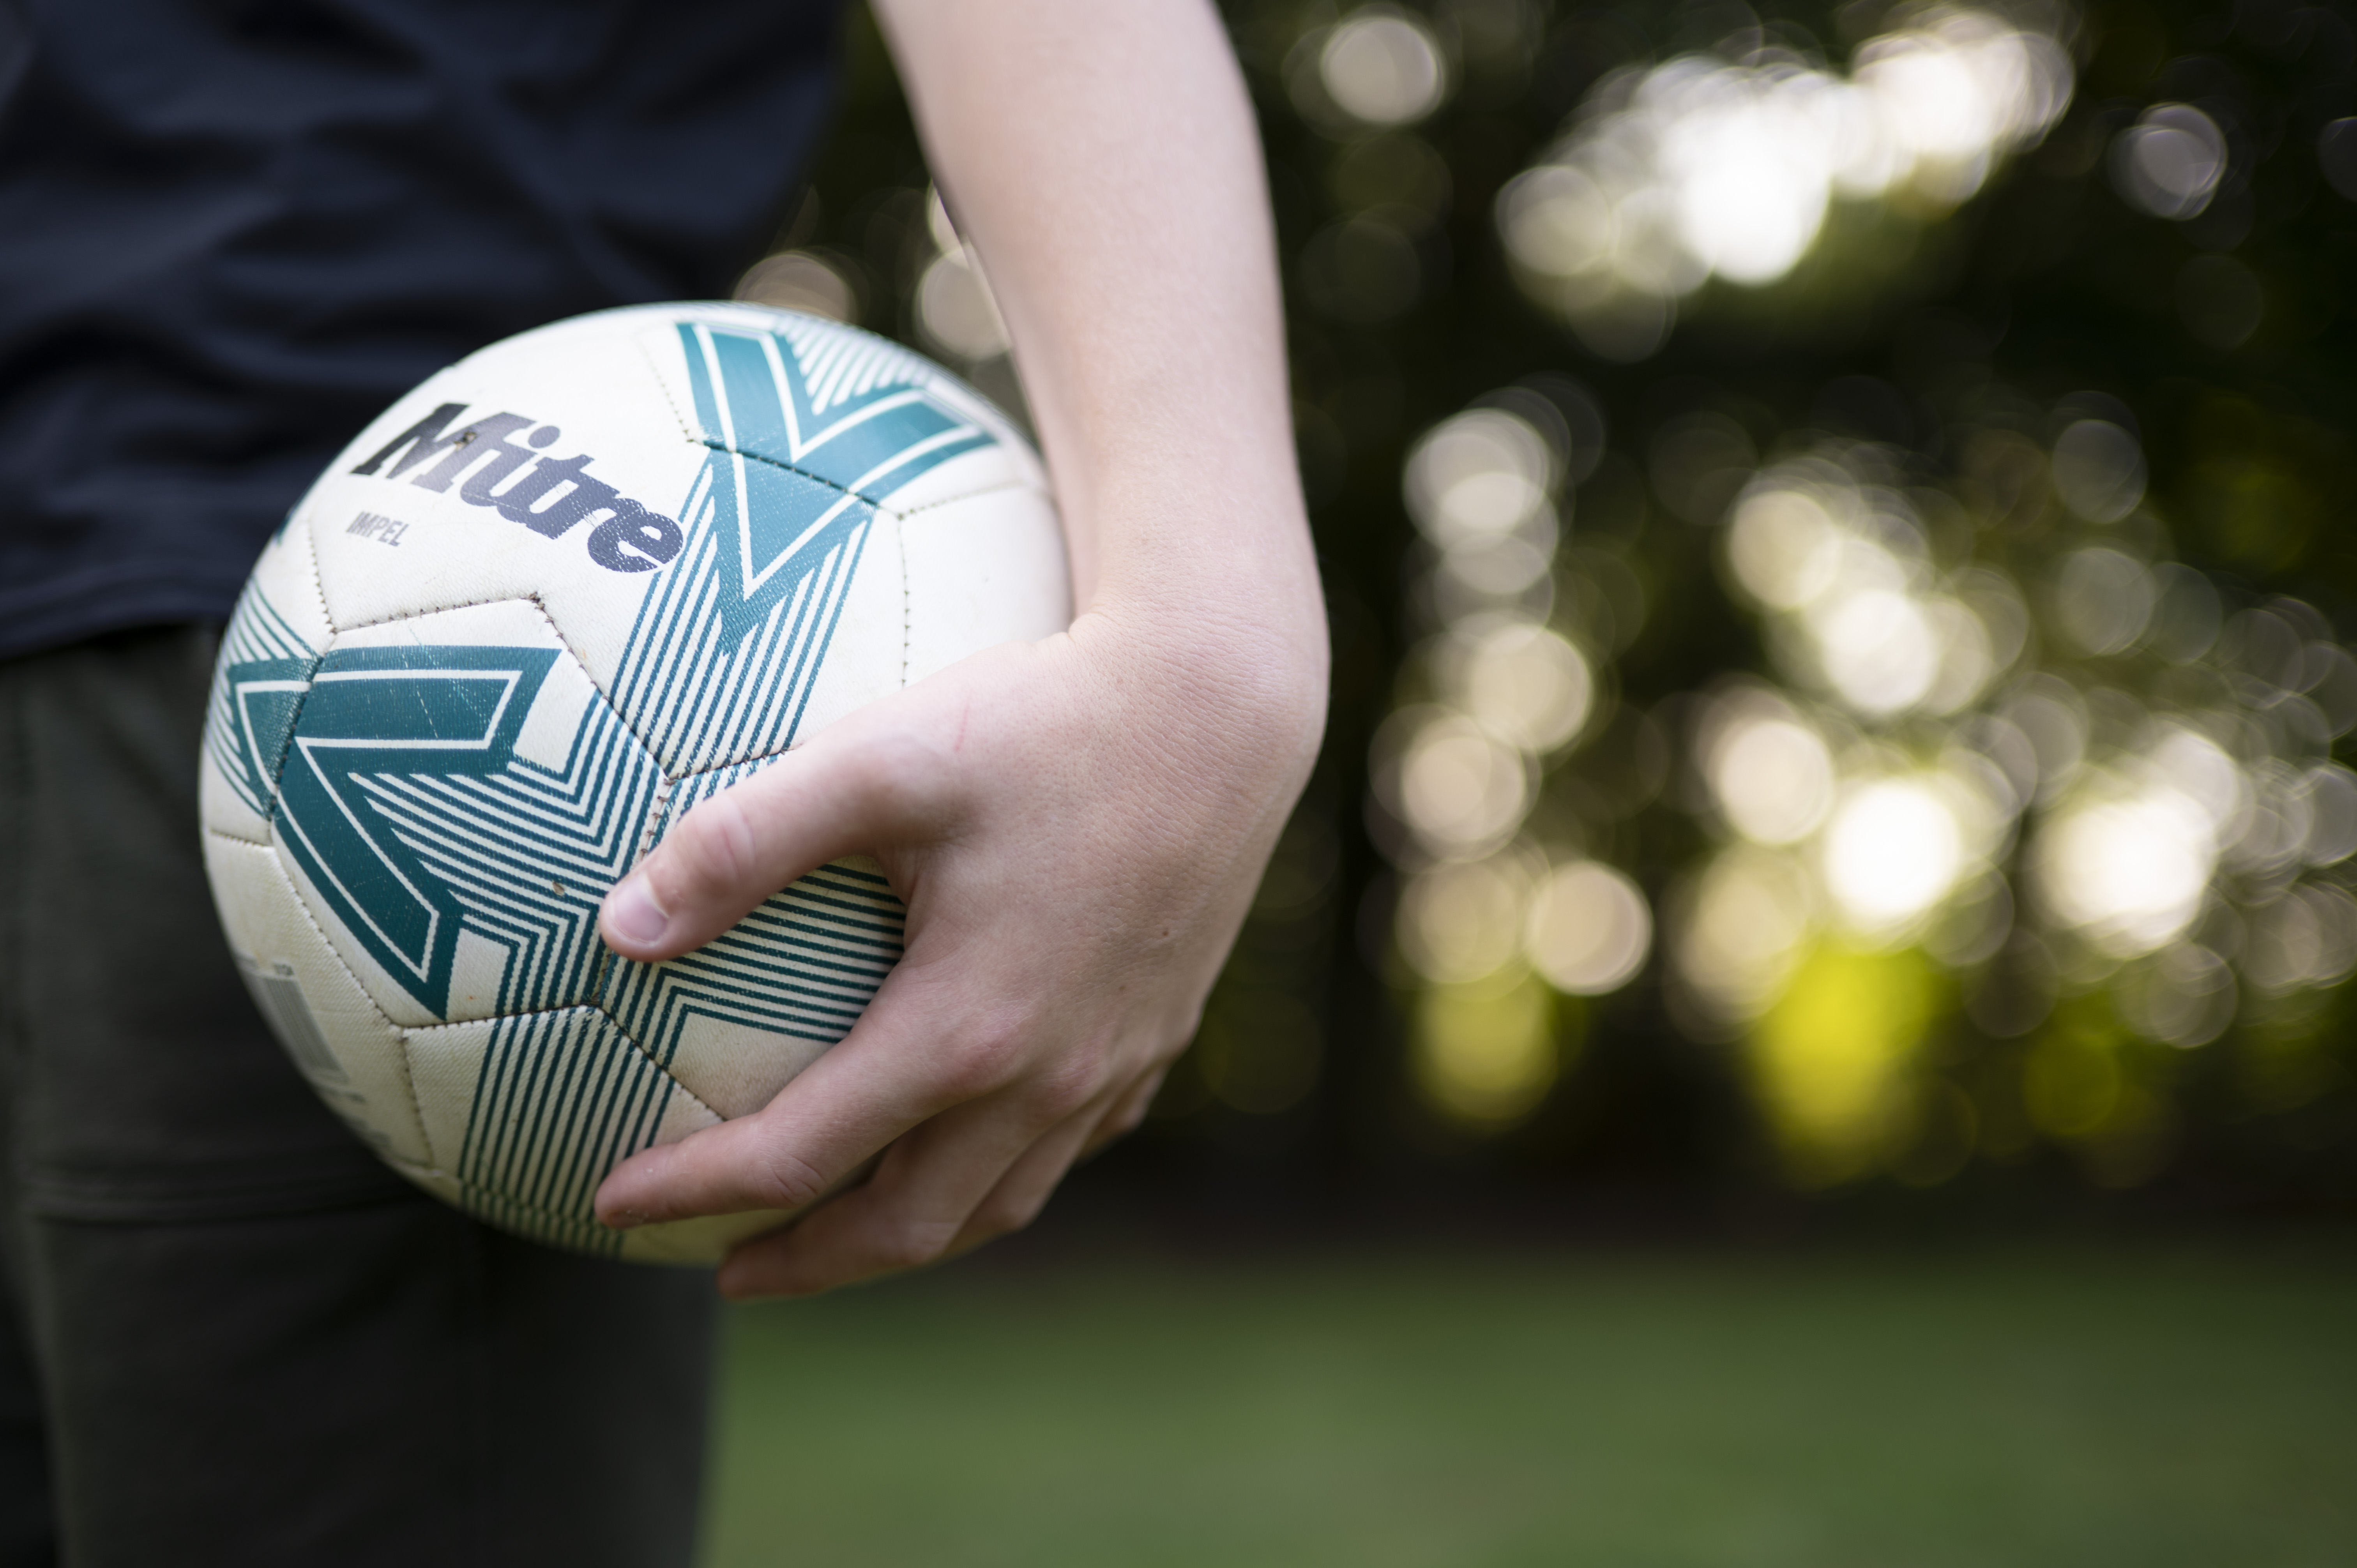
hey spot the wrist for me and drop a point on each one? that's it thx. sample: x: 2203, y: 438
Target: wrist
x: 1252, y: 658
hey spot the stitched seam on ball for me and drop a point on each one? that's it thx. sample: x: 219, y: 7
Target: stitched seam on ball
x: 656, y: 815
x: 782, y: 465
x: 407, y: 1082
x: 604, y: 697
x: 879, y: 502
x: 935, y: 380
x: 655, y: 809
x: 746, y: 762
x: 580, y: 664
x: 602, y: 1011
x: 936, y: 505
x: 295, y: 719
x: 668, y: 1075
x: 908, y: 625
x: 408, y: 1078
x: 318, y: 579
x: 405, y: 1166
x: 533, y: 599
x: 662, y: 781
x: 621, y: 1033
x: 414, y: 612
x: 533, y: 1209
x: 686, y: 430
x: 264, y: 841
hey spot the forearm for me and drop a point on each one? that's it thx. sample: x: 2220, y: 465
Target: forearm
x: 1103, y: 162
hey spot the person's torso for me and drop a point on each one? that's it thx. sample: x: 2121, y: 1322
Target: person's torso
x: 237, y: 229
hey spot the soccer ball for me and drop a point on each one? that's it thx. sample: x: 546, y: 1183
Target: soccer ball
x: 549, y: 601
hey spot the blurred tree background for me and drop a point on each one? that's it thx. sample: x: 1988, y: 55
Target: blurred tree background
x: 1832, y: 522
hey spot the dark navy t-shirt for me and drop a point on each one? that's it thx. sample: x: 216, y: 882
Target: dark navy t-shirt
x: 232, y: 230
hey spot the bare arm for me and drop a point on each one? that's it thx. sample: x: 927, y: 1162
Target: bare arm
x: 1077, y: 825
x: 1105, y: 162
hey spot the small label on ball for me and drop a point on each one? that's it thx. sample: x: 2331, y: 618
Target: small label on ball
x: 377, y: 526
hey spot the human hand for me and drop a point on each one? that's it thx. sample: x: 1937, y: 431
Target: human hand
x: 1077, y: 827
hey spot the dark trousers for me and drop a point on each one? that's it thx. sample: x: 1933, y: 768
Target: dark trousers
x: 227, y: 1333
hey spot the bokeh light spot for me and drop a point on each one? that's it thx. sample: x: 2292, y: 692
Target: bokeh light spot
x: 1486, y: 1053
x: 1460, y: 923
x: 2099, y: 470
x: 1383, y: 67
x: 2170, y: 161
x: 2184, y: 997
x: 1459, y: 787
x: 1892, y: 851
x: 1478, y: 475
x: 1773, y: 779
x: 2305, y: 938
x: 1785, y: 551
x: 2331, y: 793
x: 800, y: 280
x: 1702, y: 166
x: 1743, y: 925
x: 1588, y: 931
x: 2187, y: 614
x: 2128, y: 867
x: 1830, y: 1057
x: 1529, y: 686
x: 955, y: 308
x: 2102, y: 599
x: 1879, y: 649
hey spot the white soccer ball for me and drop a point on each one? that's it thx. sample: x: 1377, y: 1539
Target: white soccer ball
x: 545, y: 605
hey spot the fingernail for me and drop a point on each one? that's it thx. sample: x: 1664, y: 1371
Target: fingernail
x: 632, y: 913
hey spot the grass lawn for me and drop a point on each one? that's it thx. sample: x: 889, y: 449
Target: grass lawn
x: 2136, y: 1409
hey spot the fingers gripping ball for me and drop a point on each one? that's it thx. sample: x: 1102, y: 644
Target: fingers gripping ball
x: 547, y: 603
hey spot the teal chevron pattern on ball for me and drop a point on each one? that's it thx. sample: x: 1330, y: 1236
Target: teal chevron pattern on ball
x: 266, y: 667
x: 722, y: 660
x: 803, y: 964
x: 384, y: 741
x: 563, y: 1097
x: 453, y: 809
x: 841, y: 923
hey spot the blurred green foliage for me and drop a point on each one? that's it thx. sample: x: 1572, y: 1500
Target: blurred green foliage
x: 1943, y: 335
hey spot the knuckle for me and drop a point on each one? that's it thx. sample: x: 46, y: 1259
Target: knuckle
x: 1068, y: 1088
x: 900, y: 773
x: 782, y: 1180
x: 986, y: 1056
x: 715, y: 847
x: 1004, y: 1216
x: 965, y: 1072
x: 912, y: 1243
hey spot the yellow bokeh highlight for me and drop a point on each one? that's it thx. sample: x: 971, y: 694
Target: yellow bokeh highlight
x: 1831, y: 1057
x: 1486, y: 1053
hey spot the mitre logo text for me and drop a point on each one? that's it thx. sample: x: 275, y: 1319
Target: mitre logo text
x: 551, y: 496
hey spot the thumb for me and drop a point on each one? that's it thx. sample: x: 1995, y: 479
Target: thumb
x: 855, y: 788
